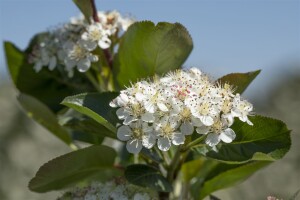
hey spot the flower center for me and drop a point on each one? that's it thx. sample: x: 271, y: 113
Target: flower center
x: 185, y: 114
x: 77, y: 53
x: 226, y: 106
x: 95, y: 35
x: 203, y: 108
x: 217, y: 127
x: 167, y: 130
x: 137, y: 110
x: 137, y: 133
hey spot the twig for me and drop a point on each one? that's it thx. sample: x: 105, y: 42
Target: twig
x: 94, y: 9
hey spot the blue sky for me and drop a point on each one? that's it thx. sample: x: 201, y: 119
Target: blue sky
x: 229, y: 36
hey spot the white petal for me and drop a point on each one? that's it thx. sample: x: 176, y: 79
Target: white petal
x: 89, y: 45
x: 38, y: 66
x: 163, y: 143
x: 178, y: 138
x: 212, y: 139
x: 83, y: 65
x: 139, y: 96
x: 162, y: 107
x: 148, y: 117
x: 249, y: 122
x: 150, y: 107
x: 202, y: 130
x: 129, y: 119
x: 236, y: 113
x: 104, y: 43
x: 146, y: 128
x: 227, y: 135
x: 113, y: 103
x: 196, y: 122
x: 52, y: 63
x: 230, y: 118
x: 85, y: 36
x: 123, y: 99
x: 149, y: 141
x: 93, y: 58
x: 187, y: 128
x: 124, y: 133
x: 207, y: 120
x: 134, y: 146
x: 69, y: 63
x: 121, y: 113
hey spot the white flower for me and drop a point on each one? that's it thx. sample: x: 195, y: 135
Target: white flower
x: 167, y: 133
x: 185, y: 117
x: 114, y: 21
x: 241, y: 109
x: 203, y: 109
x: 44, y: 55
x: 219, y: 131
x: 137, y: 135
x: 78, y: 56
x: 153, y: 98
x: 134, y: 111
x: 95, y: 36
x: 180, y: 102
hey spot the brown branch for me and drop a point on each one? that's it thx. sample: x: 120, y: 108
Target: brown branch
x: 95, y: 13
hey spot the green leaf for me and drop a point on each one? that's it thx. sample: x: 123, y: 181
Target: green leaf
x: 85, y: 6
x: 81, y: 127
x: 87, y: 126
x: 240, y: 81
x: 147, y: 176
x: 74, y: 167
x: 49, y: 87
x: 191, y: 168
x: 267, y: 140
x: 95, y: 106
x: 222, y: 176
x: 150, y: 154
x: 146, y: 50
x: 44, y: 116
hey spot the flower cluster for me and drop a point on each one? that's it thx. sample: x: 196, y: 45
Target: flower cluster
x: 168, y: 109
x: 73, y: 44
x: 114, y: 190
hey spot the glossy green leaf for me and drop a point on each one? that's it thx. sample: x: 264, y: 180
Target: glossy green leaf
x: 89, y: 127
x: 267, y: 140
x: 147, y: 176
x: 240, y: 81
x: 146, y: 50
x: 223, y: 175
x: 49, y: 87
x: 44, y: 116
x: 85, y: 6
x: 95, y: 106
x: 150, y: 154
x: 74, y: 167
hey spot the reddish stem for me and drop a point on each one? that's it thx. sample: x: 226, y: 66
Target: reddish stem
x: 94, y: 9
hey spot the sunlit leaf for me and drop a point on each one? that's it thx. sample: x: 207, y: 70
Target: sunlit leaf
x: 146, y: 50
x: 240, y: 81
x: 95, y: 106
